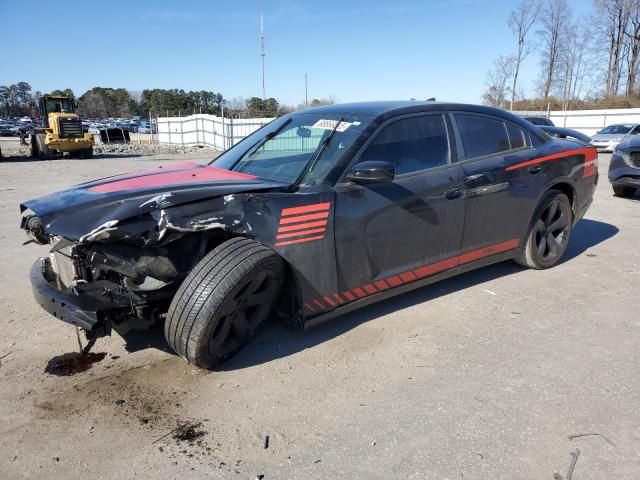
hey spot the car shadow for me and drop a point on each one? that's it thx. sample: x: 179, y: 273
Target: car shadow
x: 276, y: 340
x: 586, y: 234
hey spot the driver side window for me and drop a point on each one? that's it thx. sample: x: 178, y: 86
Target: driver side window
x: 411, y: 144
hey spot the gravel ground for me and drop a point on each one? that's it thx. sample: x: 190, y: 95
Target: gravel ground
x: 12, y: 149
x: 500, y: 373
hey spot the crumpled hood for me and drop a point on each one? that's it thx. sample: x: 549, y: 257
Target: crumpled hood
x: 85, y: 209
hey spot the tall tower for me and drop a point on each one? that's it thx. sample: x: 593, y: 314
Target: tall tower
x: 262, y: 49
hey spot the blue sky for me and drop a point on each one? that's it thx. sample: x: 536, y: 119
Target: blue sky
x: 352, y: 50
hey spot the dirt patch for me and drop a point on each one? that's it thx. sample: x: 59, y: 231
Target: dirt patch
x: 72, y: 363
x: 189, y: 432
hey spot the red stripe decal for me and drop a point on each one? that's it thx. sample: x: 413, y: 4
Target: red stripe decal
x: 369, y: 288
x: 407, y: 276
x: 200, y: 174
x: 488, y: 251
x: 422, y: 272
x: 394, y: 281
x: 299, y: 234
x: 309, y: 307
x: 590, y: 168
x: 299, y: 240
x: 329, y: 301
x: 302, y: 226
x: 359, y: 292
x: 319, y: 304
x: 434, y: 268
x: 300, y: 218
x: 350, y: 296
x: 589, y: 154
x: 306, y: 208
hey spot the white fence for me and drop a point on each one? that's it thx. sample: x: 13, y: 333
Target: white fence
x: 221, y: 133
x: 207, y: 130
x: 589, y: 121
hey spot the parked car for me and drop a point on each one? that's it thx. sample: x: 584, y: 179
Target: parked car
x: 22, y: 129
x: 147, y: 128
x: 539, y: 120
x: 95, y: 128
x: 624, y: 167
x: 316, y: 214
x: 607, y: 139
x: 6, y: 131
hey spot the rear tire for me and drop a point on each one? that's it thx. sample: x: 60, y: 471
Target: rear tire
x: 549, y: 232
x: 223, y: 301
x: 621, y: 191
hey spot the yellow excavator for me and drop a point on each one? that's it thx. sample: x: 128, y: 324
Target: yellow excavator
x: 61, y: 132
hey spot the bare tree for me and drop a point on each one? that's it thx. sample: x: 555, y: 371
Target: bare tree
x: 572, y: 62
x: 633, y: 41
x: 615, y: 14
x: 520, y: 21
x: 554, y: 21
x: 498, y: 80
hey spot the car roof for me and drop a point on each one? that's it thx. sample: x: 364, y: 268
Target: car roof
x: 385, y: 109
x: 382, y: 107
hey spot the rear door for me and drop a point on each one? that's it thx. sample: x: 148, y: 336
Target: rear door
x: 384, y: 231
x: 499, y: 201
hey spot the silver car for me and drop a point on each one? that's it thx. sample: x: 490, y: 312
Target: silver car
x: 607, y: 139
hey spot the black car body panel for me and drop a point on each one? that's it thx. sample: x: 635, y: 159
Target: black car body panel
x: 624, y: 168
x: 344, y: 243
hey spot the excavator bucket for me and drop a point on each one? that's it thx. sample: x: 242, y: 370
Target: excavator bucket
x: 114, y: 135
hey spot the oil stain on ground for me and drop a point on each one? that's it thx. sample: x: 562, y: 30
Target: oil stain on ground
x: 72, y: 363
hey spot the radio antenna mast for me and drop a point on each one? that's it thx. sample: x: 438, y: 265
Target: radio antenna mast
x: 262, y: 48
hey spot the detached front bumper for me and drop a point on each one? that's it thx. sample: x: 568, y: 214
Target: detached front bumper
x: 85, y: 305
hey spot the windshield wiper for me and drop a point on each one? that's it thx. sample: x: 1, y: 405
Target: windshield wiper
x: 311, y: 164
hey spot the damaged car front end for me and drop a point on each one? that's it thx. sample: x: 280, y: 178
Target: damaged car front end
x: 116, y: 259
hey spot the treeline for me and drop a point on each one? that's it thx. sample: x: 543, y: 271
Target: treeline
x: 20, y: 100
x: 587, y: 62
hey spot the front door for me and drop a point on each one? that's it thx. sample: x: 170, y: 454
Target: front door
x: 387, y: 234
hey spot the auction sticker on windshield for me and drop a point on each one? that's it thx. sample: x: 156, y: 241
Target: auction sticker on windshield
x: 331, y: 124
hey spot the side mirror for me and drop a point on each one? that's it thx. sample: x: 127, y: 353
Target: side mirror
x: 372, y: 172
x: 304, y: 132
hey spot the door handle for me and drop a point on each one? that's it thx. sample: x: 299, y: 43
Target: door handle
x: 453, y: 194
x: 535, y: 169
x: 476, y: 180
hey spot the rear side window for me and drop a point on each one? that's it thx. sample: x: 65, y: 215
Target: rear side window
x: 516, y: 136
x: 411, y: 144
x: 482, y: 136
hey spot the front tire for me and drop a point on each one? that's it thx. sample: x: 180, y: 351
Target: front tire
x: 223, y: 301
x: 622, y: 191
x: 87, y: 153
x: 549, y: 232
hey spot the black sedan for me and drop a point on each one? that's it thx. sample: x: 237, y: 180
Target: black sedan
x: 624, y: 168
x: 316, y: 214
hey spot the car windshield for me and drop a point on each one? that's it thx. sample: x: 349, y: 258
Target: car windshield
x: 282, y: 149
x: 616, y: 129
